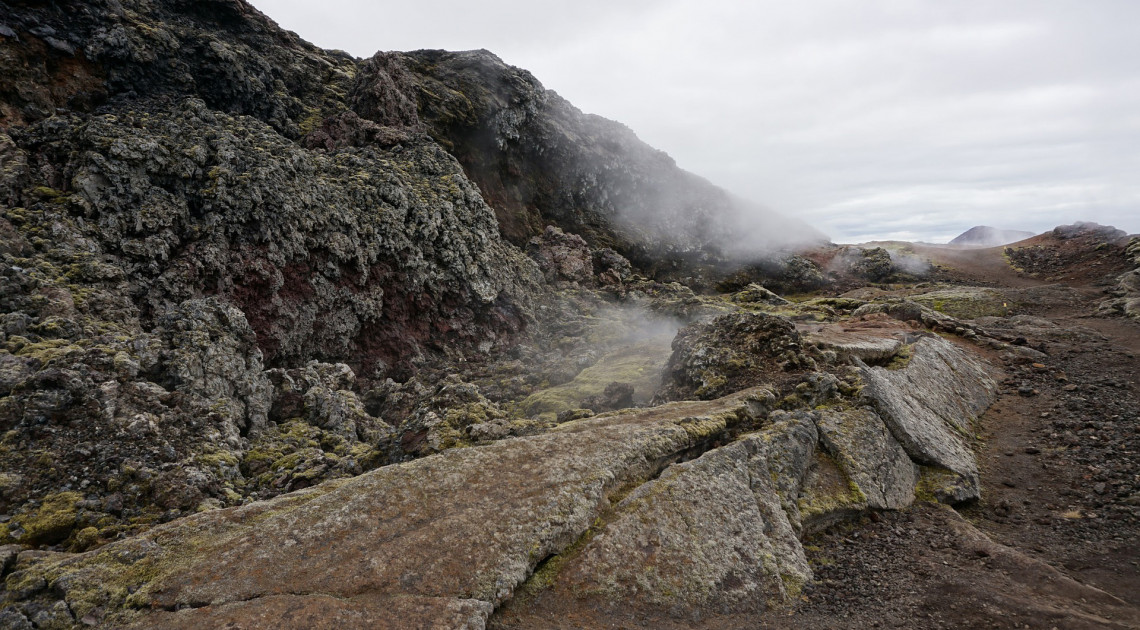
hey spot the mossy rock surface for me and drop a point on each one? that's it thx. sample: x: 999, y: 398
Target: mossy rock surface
x: 640, y: 365
x: 535, y: 496
x: 967, y: 302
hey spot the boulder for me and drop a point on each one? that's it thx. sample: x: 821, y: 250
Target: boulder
x: 730, y: 353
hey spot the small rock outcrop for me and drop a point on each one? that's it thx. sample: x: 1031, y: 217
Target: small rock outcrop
x: 730, y: 353
x: 930, y: 407
x: 1125, y: 295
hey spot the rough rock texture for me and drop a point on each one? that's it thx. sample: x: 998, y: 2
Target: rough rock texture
x: 291, y: 339
x: 1125, y: 298
x: 707, y: 534
x: 539, y: 503
x: 930, y: 407
x: 540, y: 161
x: 864, y: 448
x: 328, y: 255
x: 529, y: 498
x: 967, y: 302
x: 871, y: 338
x: 455, y: 413
x: 755, y: 293
x: 730, y: 353
x: 188, y: 196
x: 562, y: 256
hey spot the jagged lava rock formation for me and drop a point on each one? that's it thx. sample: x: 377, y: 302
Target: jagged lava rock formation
x: 294, y: 339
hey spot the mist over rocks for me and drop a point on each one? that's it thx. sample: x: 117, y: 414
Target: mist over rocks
x: 294, y: 339
x: 539, y: 160
x: 986, y: 236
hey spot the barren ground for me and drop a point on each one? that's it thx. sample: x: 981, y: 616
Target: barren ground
x: 1052, y: 544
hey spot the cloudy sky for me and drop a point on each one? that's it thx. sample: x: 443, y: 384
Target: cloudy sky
x: 868, y: 119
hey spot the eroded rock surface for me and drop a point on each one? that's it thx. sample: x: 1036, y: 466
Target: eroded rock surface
x: 930, y: 407
x: 529, y: 498
x: 707, y: 534
x: 871, y: 457
x: 729, y: 353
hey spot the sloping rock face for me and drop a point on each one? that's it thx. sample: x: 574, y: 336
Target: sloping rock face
x: 708, y: 534
x: 1125, y: 294
x: 396, y: 532
x: 720, y: 535
x: 445, y: 540
x: 190, y: 196
x: 930, y: 407
x: 875, y: 461
x: 269, y: 358
x: 170, y: 227
x: 539, y: 160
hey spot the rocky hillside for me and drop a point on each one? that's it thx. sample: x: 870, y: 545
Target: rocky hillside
x: 541, y: 161
x: 294, y: 339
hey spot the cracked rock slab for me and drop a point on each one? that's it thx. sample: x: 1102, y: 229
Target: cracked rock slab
x: 874, y: 337
x: 467, y: 524
x: 710, y: 534
x: 930, y: 406
x: 870, y: 456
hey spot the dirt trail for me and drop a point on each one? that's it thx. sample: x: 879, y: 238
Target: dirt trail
x: 982, y: 267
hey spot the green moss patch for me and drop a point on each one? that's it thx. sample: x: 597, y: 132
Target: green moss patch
x: 639, y: 364
x: 967, y: 302
x: 52, y: 522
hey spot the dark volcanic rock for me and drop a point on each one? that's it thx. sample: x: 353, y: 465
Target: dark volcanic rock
x: 539, y: 160
x: 292, y: 339
x: 730, y: 353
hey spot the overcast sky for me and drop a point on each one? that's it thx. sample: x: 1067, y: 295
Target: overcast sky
x: 869, y: 119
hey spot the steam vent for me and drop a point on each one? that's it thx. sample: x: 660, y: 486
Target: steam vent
x: 291, y: 339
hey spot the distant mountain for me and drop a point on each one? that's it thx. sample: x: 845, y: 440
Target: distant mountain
x: 986, y: 236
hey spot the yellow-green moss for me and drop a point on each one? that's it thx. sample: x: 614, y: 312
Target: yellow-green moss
x: 931, y: 481
x: 639, y: 365
x: 966, y: 302
x: 902, y: 358
x: 85, y: 539
x: 52, y: 522
x: 832, y: 490
x: 46, y: 193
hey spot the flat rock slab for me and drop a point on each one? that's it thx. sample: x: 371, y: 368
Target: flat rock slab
x: 874, y: 338
x: 930, y: 406
x: 709, y: 534
x: 467, y: 524
x: 865, y: 449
